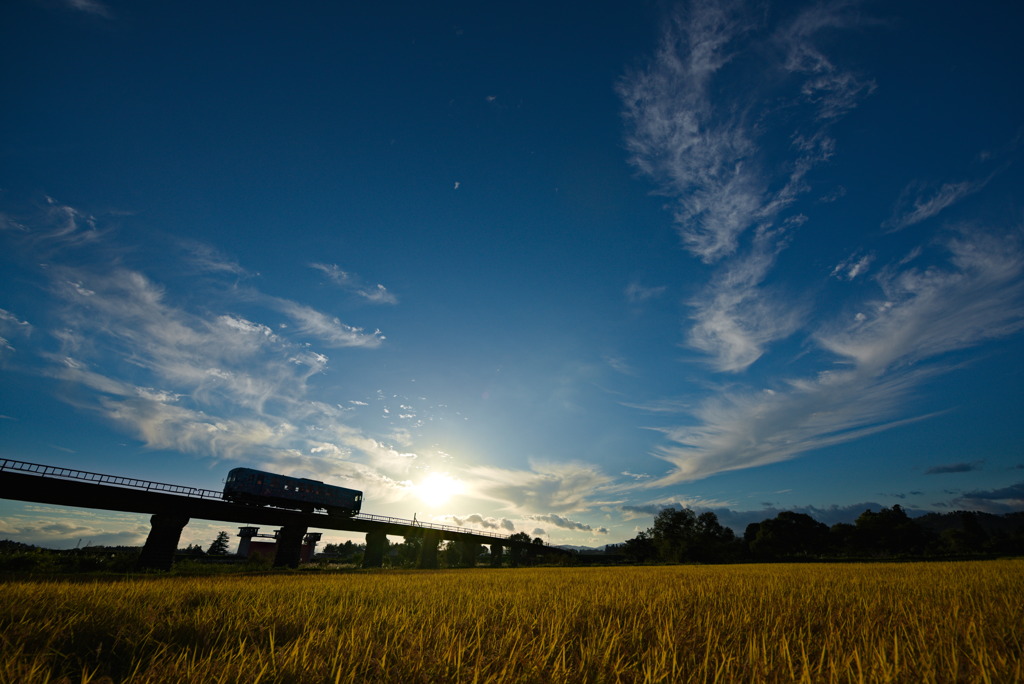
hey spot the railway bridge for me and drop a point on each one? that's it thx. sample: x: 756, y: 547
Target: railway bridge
x: 172, y: 506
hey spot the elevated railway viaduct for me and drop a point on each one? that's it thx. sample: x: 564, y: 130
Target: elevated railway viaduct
x: 172, y: 506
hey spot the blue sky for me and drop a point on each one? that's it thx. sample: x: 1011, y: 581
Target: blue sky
x: 542, y: 267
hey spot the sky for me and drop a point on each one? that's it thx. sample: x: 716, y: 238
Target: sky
x: 525, y: 267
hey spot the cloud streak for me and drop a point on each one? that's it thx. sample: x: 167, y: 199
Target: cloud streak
x: 700, y: 145
x: 567, y: 524
x: 561, y: 487
x: 350, y: 282
x: 926, y: 205
x: 893, y: 345
x: 954, y: 468
x: 703, y: 146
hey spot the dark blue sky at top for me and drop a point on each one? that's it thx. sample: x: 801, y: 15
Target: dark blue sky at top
x: 743, y: 256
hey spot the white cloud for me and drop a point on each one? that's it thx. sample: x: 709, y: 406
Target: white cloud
x: 481, y: 521
x: 190, y: 372
x: 10, y: 326
x: 696, y: 128
x: 566, y: 523
x: 562, y: 487
x: 854, y: 266
x: 328, y: 329
x: 884, y: 356
x: 930, y: 311
x: 928, y: 203
x: 637, y: 293
x: 376, y: 294
x: 831, y: 90
x: 700, y: 143
x: 734, y: 318
x: 208, y: 259
x: 90, y: 7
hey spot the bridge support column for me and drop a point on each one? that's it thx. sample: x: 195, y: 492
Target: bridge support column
x: 289, y: 546
x: 496, y: 551
x: 468, y: 552
x: 376, y: 542
x: 164, y: 534
x: 246, y: 534
x: 428, y: 550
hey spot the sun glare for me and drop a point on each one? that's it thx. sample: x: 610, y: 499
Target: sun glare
x: 437, y: 488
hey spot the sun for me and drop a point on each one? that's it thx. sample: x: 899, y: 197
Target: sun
x: 437, y: 488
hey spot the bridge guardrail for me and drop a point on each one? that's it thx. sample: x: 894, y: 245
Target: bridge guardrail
x: 195, y: 492
x: 429, y: 526
x: 99, y: 478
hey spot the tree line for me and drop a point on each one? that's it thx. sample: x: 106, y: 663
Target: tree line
x: 682, y: 536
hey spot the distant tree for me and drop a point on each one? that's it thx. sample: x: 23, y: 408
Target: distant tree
x: 469, y: 551
x: 640, y: 548
x: 842, y: 539
x: 889, y: 532
x: 682, y: 536
x: 515, y: 550
x: 219, y: 547
x: 787, y: 535
x: 713, y: 542
x: 674, y: 533
x: 409, y: 550
x: 450, y: 553
x: 538, y: 541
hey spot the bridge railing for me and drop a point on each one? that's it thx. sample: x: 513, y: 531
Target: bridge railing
x: 429, y: 526
x: 194, y: 492
x: 99, y: 478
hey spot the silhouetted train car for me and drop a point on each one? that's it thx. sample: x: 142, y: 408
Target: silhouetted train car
x: 248, y: 486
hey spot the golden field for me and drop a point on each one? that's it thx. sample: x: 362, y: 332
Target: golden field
x: 923, y: 622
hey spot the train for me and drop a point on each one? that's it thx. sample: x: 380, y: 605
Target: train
x: 259, y: 488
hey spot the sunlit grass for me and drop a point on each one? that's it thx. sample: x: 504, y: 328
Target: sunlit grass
x: 939, y: 622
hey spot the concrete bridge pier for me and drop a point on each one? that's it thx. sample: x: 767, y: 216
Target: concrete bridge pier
x: 164, y: 534
x: 496, y: 551
x: 376, y: 542
x: 289, y: 546
x: 428, y: 550
x: 468, y: 551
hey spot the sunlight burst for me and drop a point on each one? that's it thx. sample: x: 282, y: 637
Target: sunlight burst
x: 437, y: 488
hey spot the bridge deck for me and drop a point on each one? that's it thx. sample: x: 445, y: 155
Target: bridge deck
x: 40, y: 483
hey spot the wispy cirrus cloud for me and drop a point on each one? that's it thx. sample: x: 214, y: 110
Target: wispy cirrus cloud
x: 853, y: 267
x: 93, y: 7
x: 328, y: 329
x: 700, y: 145
x: 560, y: 487
x: 883, y: 354
x: 692, y: 148
x: 11, y: 326
x: 211, y: 260
x: 377, y: 294
x: 185, y: 369
x: 918, y: 203
x: 704, y: 146
x: 734, y: 318
x: 637, y: 293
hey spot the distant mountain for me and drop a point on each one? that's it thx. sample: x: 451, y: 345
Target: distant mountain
x: 581, y: 549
